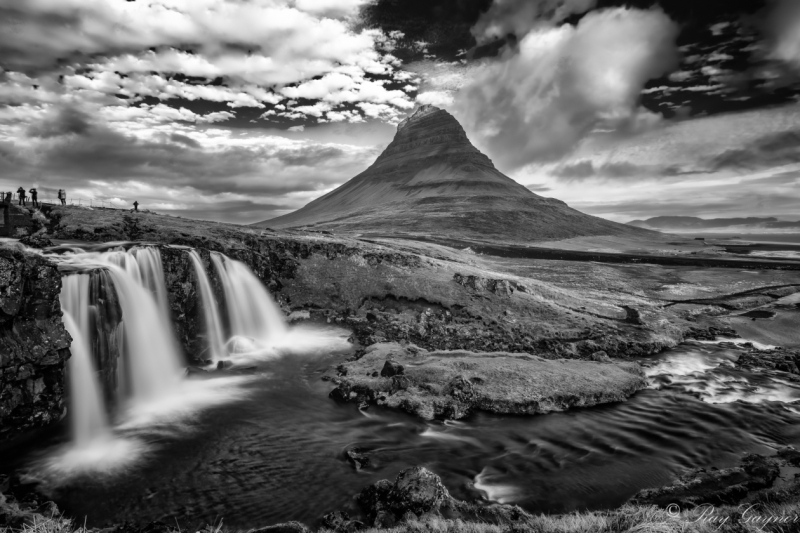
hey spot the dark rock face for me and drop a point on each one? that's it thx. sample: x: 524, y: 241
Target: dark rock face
x: 717, y: 487
x: 184, y: 298
x: 33, y: 342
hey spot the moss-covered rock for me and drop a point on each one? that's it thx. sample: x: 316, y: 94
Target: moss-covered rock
x: 453, y: 384
x: 33, y: 342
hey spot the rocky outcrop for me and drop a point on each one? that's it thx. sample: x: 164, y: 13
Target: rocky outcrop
x: 418, y: 495
x: 781, y: 359
x: 452, y: 385
x: 33, y: 342
x: 415, y: 492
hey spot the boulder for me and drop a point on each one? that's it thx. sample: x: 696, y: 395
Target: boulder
x: 415, y: 491
x: 357, y: 458
x: 392, y: 368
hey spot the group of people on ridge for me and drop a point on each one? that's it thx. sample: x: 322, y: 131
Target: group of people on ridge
x: 62, y: 195
x: 23, y: 197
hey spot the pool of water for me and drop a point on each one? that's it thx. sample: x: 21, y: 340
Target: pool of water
x: 271, y: 449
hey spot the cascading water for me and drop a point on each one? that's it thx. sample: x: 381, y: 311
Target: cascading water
x: 89, y: 422
x: 151, y: 351
x: 214, y: 335
x: 144, y: 265
x: 254, y: 316
x: 151, y: 357
x: 116, y: 309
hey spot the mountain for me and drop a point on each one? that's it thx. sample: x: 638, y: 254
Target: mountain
x: 431, y: 181
x: 679, y: 223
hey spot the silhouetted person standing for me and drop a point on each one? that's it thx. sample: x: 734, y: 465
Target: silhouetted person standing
x: 136, y: 206
x: 62, y: 195
x: 34, y: 197
x: 21, y: 193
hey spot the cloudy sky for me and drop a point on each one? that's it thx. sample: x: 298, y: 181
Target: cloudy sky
x: 242, y: 110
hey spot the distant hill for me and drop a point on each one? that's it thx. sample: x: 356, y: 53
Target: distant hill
x: 678, y: 223
x: 432, y: 181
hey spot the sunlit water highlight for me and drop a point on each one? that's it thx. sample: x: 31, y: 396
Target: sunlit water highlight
x: 709, y: 374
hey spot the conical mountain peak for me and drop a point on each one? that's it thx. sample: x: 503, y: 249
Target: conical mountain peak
x: 432, y: 180
x: 431, y: 132
x: 420, y: 113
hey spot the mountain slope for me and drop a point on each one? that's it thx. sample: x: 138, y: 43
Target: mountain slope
x: 432, y: 181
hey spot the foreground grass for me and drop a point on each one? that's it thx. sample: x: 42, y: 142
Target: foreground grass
x: 763, y: 518
x: 773, y: 518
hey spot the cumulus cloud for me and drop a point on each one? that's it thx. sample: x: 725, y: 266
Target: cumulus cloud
x: 539, y: 98
x: 518, y: 17
x: 37, y: 33
x: 258, y: 52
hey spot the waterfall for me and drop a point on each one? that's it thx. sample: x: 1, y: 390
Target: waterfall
x: 151, y: 361
x: 214, y: 335
x: 144, y: 265
x: 87, y: 410
x: 152, y: 358
x: 116, y: 309
x: 253, y: 314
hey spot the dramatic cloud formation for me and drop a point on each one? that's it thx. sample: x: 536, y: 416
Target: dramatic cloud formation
x: 243, y: 109
x: 538, y: 99
x: 257, y: 53
x: 739, y: 164
x: 518, y: 17
x: 102, y: 158
x: 183, y: 104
